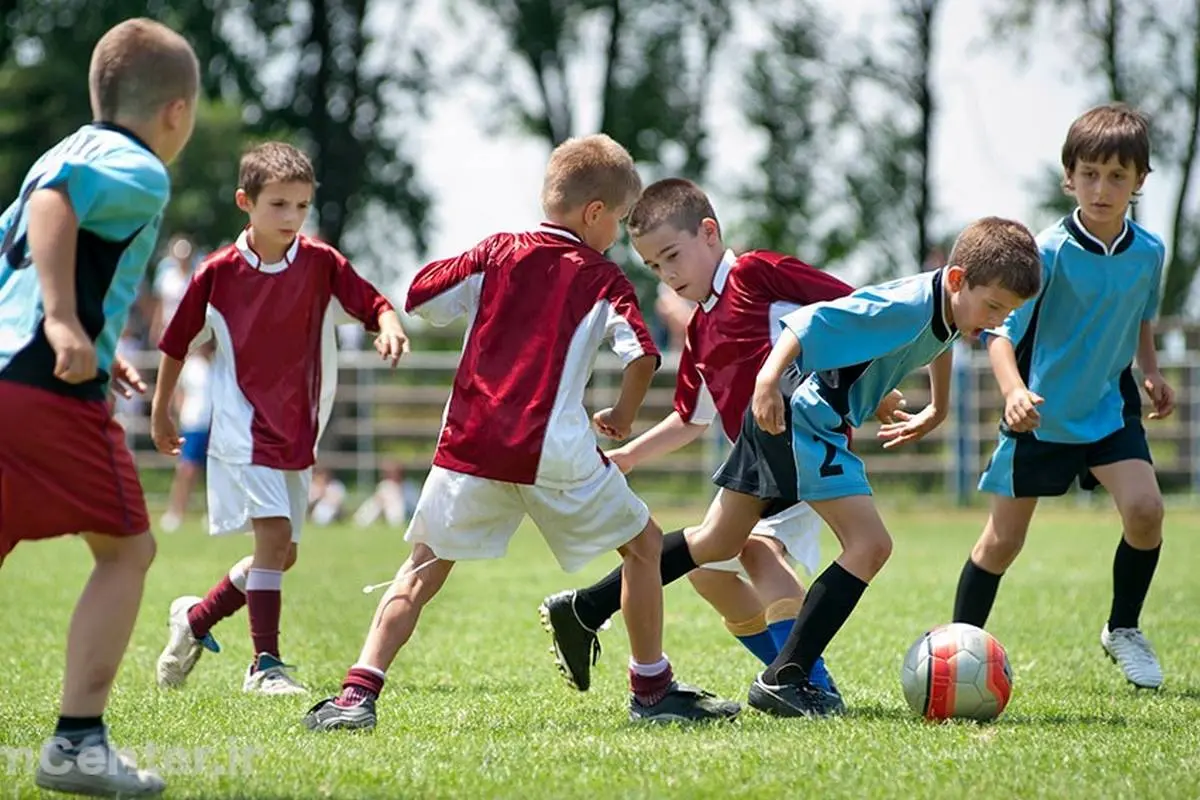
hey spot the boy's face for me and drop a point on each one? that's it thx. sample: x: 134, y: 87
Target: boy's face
x: 178, y: 121
x: 978, y: 308
x: 682, y: 260
x: 1104, y: 189
x: 279, y: 211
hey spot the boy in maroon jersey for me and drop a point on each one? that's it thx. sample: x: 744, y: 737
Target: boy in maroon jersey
x: 517, y: 439
x: 265, y: 300
x: 756, y: 524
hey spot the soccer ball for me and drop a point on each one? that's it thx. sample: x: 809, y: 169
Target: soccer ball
x: 957, y: 671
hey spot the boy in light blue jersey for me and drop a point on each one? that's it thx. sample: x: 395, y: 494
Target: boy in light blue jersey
x: 1064, y: 365
x: 858, y: 349
x: 73, y: 249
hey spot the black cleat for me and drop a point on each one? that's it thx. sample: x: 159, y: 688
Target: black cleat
x: 576, y: 646
x: 328, y: 716
x: 683, y: 703
x: 794, y: 699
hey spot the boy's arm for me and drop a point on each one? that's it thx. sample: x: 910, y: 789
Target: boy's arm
x: 162, y: 424
x: 1020, y: 404
x: 911, y: 427
x: 52, y: 234
x: 627, y: 334
x: 617, y: 422
x: 445, y: 290
x: 767, y: 402
x: 665, y: 437
x: 1156, y: 386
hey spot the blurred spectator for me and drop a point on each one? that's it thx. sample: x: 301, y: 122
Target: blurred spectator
x: 326, y: 495
x: 129, y: 410
x: 194, y: 404
x: 674, y: 312
x: 170, y: 281
x: 394, y: 499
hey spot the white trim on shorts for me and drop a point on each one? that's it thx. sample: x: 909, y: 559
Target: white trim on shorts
x: 464, y: 517
x: 797, y: 528
x: 238, y: 494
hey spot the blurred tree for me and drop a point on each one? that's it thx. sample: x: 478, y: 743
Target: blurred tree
x: 1146, y: 53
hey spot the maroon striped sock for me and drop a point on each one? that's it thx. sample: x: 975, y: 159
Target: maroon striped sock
x: 223, y: 600
x: 360, y: 684
x: 651, y: 689
x: 265, y: 605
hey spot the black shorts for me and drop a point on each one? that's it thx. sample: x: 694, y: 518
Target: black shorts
x: 1023, y: 466
x: 762, y: 465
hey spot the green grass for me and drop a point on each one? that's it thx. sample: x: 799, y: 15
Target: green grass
x: 474, y: 707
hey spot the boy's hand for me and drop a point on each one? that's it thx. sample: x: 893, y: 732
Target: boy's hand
x: 621, y: 459
x: 1020, y: 410
x: 74, y: 352
x: 1160, y: 393
x: 894, y: 401
x: 910, y: 427
x: 125, y: 379
x: 163, y: 432
x: 767, y: 406
x: 609, y: 423
x: 392, y: 342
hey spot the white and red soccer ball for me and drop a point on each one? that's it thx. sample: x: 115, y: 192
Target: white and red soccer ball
x: 957, y: 671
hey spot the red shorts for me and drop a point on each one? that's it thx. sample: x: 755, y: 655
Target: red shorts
x: 64, y: 468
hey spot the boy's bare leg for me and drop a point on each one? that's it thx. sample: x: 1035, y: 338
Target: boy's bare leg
x: 998, y: 546
x: 181, y: 488
x: 1134, y: 488
x: 418, y: 581
x: 729, y: 595
x: 641, y: 594
x: 784, y: 688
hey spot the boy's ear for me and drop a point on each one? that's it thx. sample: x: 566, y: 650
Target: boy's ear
x: 1068, y: 181
x: 711, y: 231
x: 592, y: 212
x: 243, y: 200
x: 1141, y: 179
x: 956, y: 278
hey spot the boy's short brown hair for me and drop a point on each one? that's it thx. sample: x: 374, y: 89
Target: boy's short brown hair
x: 273, y: 161
x: 1000, y: 252
x: 672, y: 201
x: 139, y: 66
x: 589, y: 168
x: 1105, y: 131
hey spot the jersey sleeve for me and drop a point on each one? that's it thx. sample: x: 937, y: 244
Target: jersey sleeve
x: 448, y: 289
x: 624, y: 328
x: 693, y: 402
x: 115, y: 194
x: 189, y: 325
x: 357, y: 296
x: 792, y: 280
x: 859, y: 327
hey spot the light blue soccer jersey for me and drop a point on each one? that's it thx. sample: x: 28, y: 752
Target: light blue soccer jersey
x: 861, y: 346
x: 118, y: 189
x: 1075, y: 341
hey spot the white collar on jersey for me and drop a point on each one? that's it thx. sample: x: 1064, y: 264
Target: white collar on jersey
x: 1104, y: 248
x: 559, y: 230
x: 720, y: 278
x: 253, y: 259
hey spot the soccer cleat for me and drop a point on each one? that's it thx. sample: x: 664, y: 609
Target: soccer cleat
x: 329, y: 716
x: 794, y: 700
x: 183, y: 649
x: 268, y: 675
x: 576, y: 646
x: 95, y: 769
x: 683, y: 703
x: 1131, y: 651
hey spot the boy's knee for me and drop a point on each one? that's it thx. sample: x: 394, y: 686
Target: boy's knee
x: 870, y: 555
x: 137, y: 552
x: 1143, y: 514
x: 290, y: 560
x: 646, y: 546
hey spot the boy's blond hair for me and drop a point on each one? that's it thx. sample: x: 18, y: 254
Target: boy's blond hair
x: 999, y: 252
x: 672, y: 201
x: 1114, y: 129
x: 589, y: 168
x: 273, y: 162
x: 139, y: 66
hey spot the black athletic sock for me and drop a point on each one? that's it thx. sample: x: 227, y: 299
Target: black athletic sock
x: 1133, y: 570
x: 830, y: 601
x: 595, y: 604
x: 976, y: 594
x: 75, y: 729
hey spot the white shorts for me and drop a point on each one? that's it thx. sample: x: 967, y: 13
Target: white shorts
x: 797, y: 528
x: 462, y: 517
x: 240, y: 493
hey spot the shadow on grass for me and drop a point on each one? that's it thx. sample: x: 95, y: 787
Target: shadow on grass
x: 1054, y: 719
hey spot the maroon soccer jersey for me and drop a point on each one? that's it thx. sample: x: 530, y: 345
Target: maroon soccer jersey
x: 731, y: 333
x: 538, y: 304
x: 275, y: 362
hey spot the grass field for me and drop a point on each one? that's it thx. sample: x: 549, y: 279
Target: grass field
x: 474, y: 707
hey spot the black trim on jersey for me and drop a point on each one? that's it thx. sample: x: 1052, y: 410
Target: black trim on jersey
x: 96, y: 261
x: 1131, y: 399
x: 1088, y: 242
x: 121, y: 129
x: 943, y: 329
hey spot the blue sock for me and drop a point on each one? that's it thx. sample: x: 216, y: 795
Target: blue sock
x: 761, y: 644
x: 780, y: 630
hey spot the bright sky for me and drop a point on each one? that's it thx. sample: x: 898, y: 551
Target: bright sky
x: 999, y: 126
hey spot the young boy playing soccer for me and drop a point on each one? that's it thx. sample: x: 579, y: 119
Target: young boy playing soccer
x: 74, y: 250
x: 265, y: 301
x: 858, y: 348
x: 1074, y: 347
x: 516, y: 438
x: 741, y: 298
